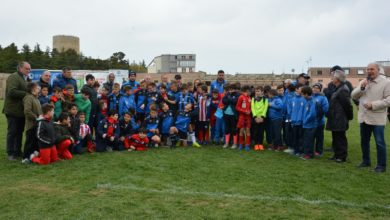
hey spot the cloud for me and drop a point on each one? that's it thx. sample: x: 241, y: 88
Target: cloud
x: 237, y: 36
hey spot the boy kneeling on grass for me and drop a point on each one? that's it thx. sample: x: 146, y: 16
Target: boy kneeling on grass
x: 182, y: 124
x: 137, y: 142
x: 46, y: 138
x: 108, y: 133
x: 64, y: 139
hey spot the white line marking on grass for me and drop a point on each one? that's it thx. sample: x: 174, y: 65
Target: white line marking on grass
x: 221, y: 195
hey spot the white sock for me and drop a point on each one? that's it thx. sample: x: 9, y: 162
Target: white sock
x: 192, y: 134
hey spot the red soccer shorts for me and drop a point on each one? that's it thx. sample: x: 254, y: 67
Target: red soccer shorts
x: 244, y: 121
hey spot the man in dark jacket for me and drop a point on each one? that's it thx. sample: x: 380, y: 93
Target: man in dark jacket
x: 64, y: 79
x: 93, y: 97
x: 110, y: 82
x: 15, y: 91
x: 44, y: 81
x: 339, y: 114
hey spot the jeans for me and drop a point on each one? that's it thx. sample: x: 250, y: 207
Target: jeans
x: 308, y: 141
x: 218, y: 131
x: 276, y: 130
x: 379, y: 136
x: 289, y: 134
x: 319, y: 139
x: 15, y: 135
x: 297, y: 138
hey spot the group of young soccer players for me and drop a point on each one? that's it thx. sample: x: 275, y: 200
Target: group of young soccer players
x: 139, y: 116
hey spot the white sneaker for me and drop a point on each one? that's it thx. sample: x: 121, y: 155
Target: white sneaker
x: 225, y: 146
x: 288, y: 150
x: 32, y: 156
x: 26, y: 161
x: 234, y: 146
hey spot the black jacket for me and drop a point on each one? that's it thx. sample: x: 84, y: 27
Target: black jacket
x: 75, y: 127
x: 340, y: 109
x: 62, y: 132
x: 45, y: 133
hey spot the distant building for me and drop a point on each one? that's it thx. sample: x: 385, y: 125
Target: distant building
x: 65, y: 42
x: 173, y: 63
x: 354, y: 74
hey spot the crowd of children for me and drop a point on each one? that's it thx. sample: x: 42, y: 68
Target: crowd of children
x: 140, y: 116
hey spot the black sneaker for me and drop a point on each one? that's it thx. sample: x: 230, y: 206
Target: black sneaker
x: 364, y: 165
x: 380, y: 169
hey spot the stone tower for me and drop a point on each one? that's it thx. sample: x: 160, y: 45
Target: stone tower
x: 66, y: 42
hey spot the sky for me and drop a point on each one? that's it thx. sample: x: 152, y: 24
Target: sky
x: 246, y: 36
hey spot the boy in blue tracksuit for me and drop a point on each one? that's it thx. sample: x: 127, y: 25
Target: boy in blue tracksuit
x: 166, y: 122
x: 172, y: 96
x: 140, y: 99
x: 309, y: 123
x: 323, y: 106
x: 275, y: 108
x: 184, y: 98
x: 296, y: 112
x: 287, y: 98
x: 126, y: 102
x: 114, y: 97
x: 182, y: 122
x: 152, y: 97
x: 151, y: 123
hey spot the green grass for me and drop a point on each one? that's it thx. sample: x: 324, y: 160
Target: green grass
x: 189, y: 183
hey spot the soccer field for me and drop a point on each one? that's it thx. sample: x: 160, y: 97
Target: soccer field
x: 191, y: 183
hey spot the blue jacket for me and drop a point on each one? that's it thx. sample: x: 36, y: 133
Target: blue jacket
x: 310, y: 114
x: 152, y: 98
x: 166, y: 121
x: 287, y: 98
x: 150, y: 123
x: 182, y: 121
x: 44, y: 99
x: 114, y: 101
x: 276, y: 108
x: 134, y: 86
x: 322, y: 101
x: 140, y: 99
x: 126, y: 103
x: 217, y: 85
x: 61, y: 81
x: 297, y: 105
x: 173, y: 96
x: 183, y: 100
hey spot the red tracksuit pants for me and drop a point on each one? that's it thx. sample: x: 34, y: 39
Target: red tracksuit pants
x: 46, y: 156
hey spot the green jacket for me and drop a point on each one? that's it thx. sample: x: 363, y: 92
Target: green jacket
x: 259, y: 108
x: 15, y: 91
x: 32, y: 110
x: 83, y: 106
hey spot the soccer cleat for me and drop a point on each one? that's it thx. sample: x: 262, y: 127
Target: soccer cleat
x: 195, y: 144
x: 32, y: 156
x: 225, y: 146
x: 234, y: 146
x: 306, y: 157
x: 26, y: 161
x: 257, y: 147
x: 288, y: 150
x: 247, y: 148
x: 240, y: 147
x: 261, y: 147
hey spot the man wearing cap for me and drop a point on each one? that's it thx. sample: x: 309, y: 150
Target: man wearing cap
x: 303, y: 79
x: 132, y: 82
x: 339, y: 114
x: 219, y: 82
x: 373, y: 95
